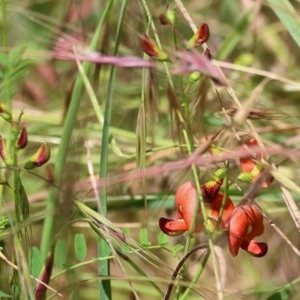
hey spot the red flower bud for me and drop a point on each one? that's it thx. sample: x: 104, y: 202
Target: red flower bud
x: 168, y: 18
x: 200, y: 37
x: 152, y: 49
x: 2, y: 148
x: 22, y: 140
x: 211, y: 189
x: 41, y: 156
x: 246, y: 222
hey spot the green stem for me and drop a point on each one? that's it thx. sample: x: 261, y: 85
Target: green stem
x: 48, y: 229
x: 197, y: 276
x: 4, y: 28
x: 103, y: 247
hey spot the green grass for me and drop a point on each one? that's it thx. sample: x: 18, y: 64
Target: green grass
x: 123, y: 140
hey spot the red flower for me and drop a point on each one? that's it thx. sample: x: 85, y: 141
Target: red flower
x: 246, y: 222
x: 216, y: 205
x: 186, y: 200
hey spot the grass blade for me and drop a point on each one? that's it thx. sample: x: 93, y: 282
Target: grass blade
x: 287, y: 15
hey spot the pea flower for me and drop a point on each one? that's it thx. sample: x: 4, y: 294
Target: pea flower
x: 186, y: 200
x: 246, y: 222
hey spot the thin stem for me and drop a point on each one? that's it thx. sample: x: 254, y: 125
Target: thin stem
x: 4, y: 28
x: 103, y: 247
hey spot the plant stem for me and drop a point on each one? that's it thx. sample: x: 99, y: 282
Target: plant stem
x: 103, y: 247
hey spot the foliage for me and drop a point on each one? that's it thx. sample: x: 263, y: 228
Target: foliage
x: 144, y: 146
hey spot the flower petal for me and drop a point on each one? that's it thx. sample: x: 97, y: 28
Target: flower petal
x: 246, y: 222
x: 216, y: 205
x: 254, y: 248
x: 172, y: 227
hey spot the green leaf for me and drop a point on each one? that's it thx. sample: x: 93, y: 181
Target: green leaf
x: 36, y: 263
x: 80, y: 246
x: 60, y: 254
x: 162, y: 239
x: 3, y: 294
x: 144, y: 237
x: 288, y: 16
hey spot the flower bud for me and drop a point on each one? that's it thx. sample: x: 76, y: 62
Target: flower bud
x: 245, y: 177
x: 194, y: 76
x: 41, y: 156
x: 169, y: 18
x: 152, y: 49
x: 200, y: 37
x: 4, y: 113
x: 23, y: 139
x: 2, y: 148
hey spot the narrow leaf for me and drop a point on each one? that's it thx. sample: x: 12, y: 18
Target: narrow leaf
x: 289, y: 18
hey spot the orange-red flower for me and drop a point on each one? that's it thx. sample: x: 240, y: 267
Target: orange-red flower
x: 216, y: 205
x: 186, y: 200
x: 246, y: 222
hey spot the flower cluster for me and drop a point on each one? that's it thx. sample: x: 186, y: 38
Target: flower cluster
x: 242, y: 223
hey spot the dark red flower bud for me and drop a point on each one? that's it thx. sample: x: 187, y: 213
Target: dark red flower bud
x: 211, y: 189
x: 200, y: 37
x: 152, y: 49
x: 39, y: 158
x: 168, y: 18
x: 2, y: 148
x: 23, y: 139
